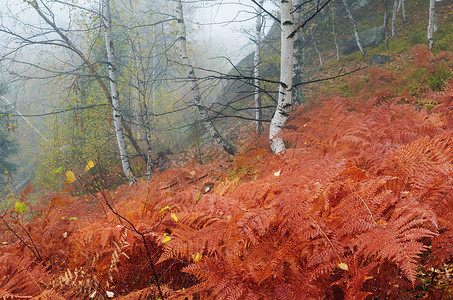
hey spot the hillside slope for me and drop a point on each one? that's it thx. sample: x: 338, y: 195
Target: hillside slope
x: 359, y: 206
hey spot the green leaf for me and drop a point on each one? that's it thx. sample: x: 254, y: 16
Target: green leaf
x: 165, y: 208
x: 57, y: 170
x: 20, y: 207
x: 73, y: 218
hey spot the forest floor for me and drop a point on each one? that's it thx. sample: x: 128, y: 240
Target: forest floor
x: 360, y: 206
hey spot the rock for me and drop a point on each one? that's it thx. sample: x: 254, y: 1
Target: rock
x: 370, y: 38
x: 356, y: 4
x: 379, y: 59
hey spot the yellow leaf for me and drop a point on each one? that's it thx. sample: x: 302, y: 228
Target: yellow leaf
x: 70, y: 177
x: 20, y: 207
x: 343, y: 266
x: 166, y: 239
x: 174, y: 217
x: 89, y: 165
x: 196, y: 257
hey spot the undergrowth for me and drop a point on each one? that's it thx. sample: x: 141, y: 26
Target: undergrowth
x: 360, y: 206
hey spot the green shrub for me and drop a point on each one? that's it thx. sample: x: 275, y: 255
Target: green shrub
x: 437, y: 79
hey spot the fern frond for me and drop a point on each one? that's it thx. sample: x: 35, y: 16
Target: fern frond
x: 21, y: 277
x: 399, y: 241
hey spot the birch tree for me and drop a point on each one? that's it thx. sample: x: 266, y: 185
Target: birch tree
x: 117, y: 115
x: 394, y: 12
x: 403, y: 8
x: 48, y: 17
x: 297, y: 53
x: 286, y: 77
x: 256, y: 70
x: 333, y: 20
x: 194, y: 86
x: 386, y: 22
x: 354, y: 23
x: 431, y: 23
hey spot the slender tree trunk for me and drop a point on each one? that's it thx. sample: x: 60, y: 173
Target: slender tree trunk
x: 403, y: 7
x: 386, y: 25
x: 71, y: 46
x: 215, y: 135
x: 436, y: 19
x: 395, y: 10
x: 117, y: 114
x: 337, y: 48
x: 354, y: 23
x: 257, y: 62
x: 431, y: 23
x: 297, y: 93
x: 286, y: 77
x: 317, y: 50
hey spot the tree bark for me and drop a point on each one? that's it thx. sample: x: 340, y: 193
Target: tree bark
x: 257, y: 62
x: 395, y: 10
x: 117, y: 114
x: 431, y: 23
x: 386, y: 25
x: 286, y: 77
x: 317, y: 50
x: 297, y: 93
x: 403, y: 7
x: 215, y: 135
x: 354, y: 23
x: 337, y: 48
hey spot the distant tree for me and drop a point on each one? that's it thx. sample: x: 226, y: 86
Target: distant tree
x: 354, y: 23
x: 8, y: 145
x: 194, y: 85
x: 256, y: 63
x: 386, y: 22
x: 432, y: 24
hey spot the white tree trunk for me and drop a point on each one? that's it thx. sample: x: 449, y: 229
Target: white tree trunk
x: 403, y: 6
x: 297, y: 93
x: 117, y: 114
x: 286, y: 77
x: 386, y: 22
x: 215, y: 135
x: 354, y: 23
x: 431, y: 23
x: 337, y: 48
x: 257, y: 62
x: 395, y: 10
x: 317, y: 50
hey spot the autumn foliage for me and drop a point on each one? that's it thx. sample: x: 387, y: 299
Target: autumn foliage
x: 359, y: 206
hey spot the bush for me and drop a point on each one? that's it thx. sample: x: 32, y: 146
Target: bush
x: 436, y: 80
